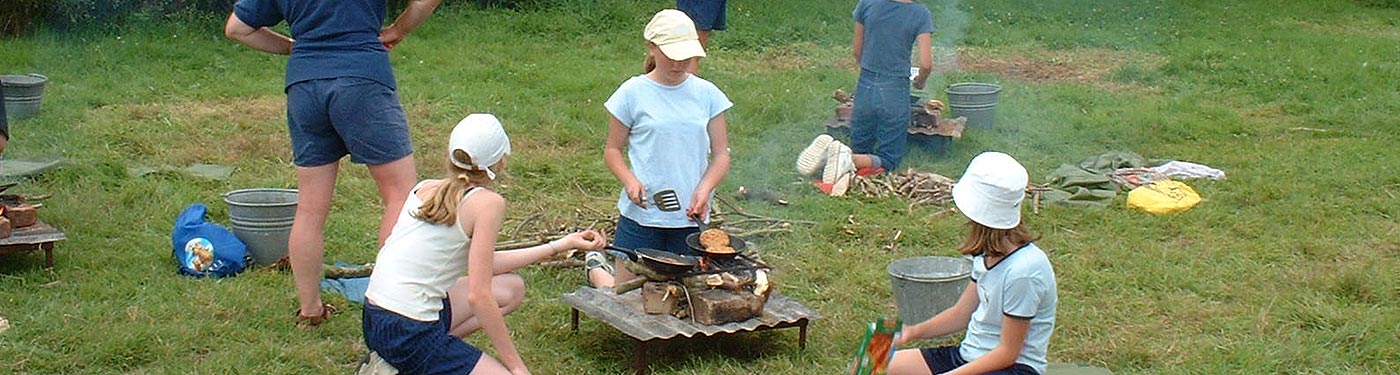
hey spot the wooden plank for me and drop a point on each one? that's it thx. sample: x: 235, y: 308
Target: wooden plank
x: 32, y: 235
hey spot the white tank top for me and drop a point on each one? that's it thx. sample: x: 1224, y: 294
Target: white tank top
x: 418, y: 263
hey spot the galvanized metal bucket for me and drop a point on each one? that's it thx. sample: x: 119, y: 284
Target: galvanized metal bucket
x: 925, y: 286
x: 23, y: 94
x: 262, y: 219
x: 976, y: 101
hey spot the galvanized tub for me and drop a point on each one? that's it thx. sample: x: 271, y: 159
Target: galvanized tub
x: 925, y: 286
x: 23, y: 94
x: 262, y: 219
x: 976, y: 101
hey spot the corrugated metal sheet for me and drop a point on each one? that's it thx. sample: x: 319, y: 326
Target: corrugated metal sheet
x: 624, y: 312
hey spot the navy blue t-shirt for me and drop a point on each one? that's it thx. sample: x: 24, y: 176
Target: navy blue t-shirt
x: 334, y: 38
x: 891, y: 27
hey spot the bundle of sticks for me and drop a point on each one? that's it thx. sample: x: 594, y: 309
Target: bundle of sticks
x: 920, y: 188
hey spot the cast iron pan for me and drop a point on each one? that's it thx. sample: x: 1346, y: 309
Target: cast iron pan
x: 662, y: 262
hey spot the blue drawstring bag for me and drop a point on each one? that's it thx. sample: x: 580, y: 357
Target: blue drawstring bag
x: 204, y: 249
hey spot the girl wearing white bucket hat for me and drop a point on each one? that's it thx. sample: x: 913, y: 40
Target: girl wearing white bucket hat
x: 1008, y: 308
x: 419, y: 304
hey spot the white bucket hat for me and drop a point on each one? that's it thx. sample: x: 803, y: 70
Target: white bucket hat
x: 483, y: 138
x: 674, y: 32
x: 991, y: 190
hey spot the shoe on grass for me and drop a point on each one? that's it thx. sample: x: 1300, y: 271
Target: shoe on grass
x: 811, y: 159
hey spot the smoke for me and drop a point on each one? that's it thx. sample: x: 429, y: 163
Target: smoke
x: 951, y: 24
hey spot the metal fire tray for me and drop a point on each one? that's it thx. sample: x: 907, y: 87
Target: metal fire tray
x: 624, y: 313
x: 39, y: 236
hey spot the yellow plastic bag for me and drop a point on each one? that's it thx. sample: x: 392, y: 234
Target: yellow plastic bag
x: 1163, y: 197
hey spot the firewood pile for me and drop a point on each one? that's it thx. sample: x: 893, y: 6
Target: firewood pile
x: 919, y: 188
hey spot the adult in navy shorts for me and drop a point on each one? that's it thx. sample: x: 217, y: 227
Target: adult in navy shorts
x: 341, y: 100
x: 708, y: 15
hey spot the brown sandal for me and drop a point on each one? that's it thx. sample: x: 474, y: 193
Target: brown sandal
x: 311, y: 322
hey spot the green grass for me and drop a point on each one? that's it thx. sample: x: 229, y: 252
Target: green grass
x: 1289, y: 266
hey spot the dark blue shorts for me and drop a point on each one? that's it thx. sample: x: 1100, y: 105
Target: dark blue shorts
x: 947, y: 358
x: 633, y: 235
x: 329, y: 118
x: 707, y: 14
x: 416, y: 347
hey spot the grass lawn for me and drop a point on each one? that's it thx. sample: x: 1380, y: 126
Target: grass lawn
x: 1291, y: 265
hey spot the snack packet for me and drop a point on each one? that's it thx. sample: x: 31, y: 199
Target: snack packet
x: 876, y: 348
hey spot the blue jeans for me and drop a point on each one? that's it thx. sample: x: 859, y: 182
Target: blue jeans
x: 947, y: 358
x: 632, y: 235
x: 880, y: 118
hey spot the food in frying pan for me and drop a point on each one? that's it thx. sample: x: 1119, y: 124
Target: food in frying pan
x: 712, y: 238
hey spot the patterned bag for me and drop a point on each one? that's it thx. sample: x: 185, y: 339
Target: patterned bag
x: 204, y: 249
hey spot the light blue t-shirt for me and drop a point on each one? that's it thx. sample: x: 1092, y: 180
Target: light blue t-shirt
x: 891, y: 27
x: 668, y: 143
x: 1022, y: 285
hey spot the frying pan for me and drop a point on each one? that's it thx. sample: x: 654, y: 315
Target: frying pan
x: 735, y: 242
x: 662, y: 262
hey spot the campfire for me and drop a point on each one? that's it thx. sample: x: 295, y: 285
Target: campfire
x: 723, y: 285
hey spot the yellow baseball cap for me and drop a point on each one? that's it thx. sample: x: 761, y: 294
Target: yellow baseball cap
x: 674, y: 33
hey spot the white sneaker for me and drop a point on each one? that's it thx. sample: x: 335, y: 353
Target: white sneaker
x: 838, y: 162
x: 812, y: 157
x: 376, y: 365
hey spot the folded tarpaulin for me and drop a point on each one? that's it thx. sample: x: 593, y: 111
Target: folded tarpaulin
x: 1075, y: 186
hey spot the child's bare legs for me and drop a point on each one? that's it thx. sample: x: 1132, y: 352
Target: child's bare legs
x: 600, y: 274
x: 507, y: 288
x: 488, y: 365
x: 908, y: 362
x: 863, y: 160
x: 306, y: 242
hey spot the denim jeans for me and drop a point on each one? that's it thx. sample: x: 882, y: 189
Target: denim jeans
x: 880, y: 118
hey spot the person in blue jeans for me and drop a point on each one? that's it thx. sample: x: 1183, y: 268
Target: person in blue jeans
x: 885, y: 33
x: 708, y: 15
x: 341, y: 99
x: 671, y: 124
x: 1008, y: 307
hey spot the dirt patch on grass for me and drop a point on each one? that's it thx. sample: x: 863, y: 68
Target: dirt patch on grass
x: 1086, y: 66
x: 205, y: 131
x: 1359, y: 28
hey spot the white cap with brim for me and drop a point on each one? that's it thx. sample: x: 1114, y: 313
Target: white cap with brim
x: 483, y: 138
x: 991, y: 190
x: 674, y: 33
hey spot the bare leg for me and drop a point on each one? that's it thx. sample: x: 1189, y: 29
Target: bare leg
x: 306, y: 243
x: 394, y: 179
x: 508, y: 288
x: 488, y: 365
x: 862, y: 161
x: 600, y: 278
x: 908, y: 362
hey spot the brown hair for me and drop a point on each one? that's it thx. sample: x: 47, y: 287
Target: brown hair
x: 441, y: 207
x: 992, y: 242
x: 649, y: 62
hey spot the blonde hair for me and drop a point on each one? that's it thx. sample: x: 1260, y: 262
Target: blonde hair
x: 992, y: 242
x: 649, y: 62
x: 441, y: 207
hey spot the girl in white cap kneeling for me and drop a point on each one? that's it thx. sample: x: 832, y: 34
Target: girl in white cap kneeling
x: 419, y: 304
x: 1008, y: 308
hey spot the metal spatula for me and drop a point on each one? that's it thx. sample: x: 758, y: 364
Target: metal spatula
x: 665, y: 200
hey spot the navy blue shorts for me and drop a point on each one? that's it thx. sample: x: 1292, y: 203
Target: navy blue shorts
x: 633, y: 235
x: 329, y: 118
x: 416, y: 347
x: 947, y: 358
x: 707, y: 14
